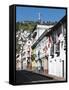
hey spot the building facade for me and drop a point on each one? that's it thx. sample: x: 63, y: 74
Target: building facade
x: 50, y: 50
x: 26, y: 55
x: 57, y: 56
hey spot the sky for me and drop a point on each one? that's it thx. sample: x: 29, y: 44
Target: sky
x: 32, y: 14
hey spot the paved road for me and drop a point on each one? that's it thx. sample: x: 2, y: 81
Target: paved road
x: 28, y: 76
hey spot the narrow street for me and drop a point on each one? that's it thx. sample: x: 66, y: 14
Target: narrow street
x: 41, y: 51
x: 24, y: 76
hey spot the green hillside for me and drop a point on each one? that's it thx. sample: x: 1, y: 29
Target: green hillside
x: 25, y: 26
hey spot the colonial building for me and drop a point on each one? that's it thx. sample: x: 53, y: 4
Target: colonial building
x: 37, y: 32
x: 38, y: 44
x: 57, y: 55
x: 26, y: 62
x: 50, y: 49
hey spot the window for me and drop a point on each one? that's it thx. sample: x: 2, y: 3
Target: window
x: 34, y: 34
x: 28, y: 59
x: 62, y: 44
x: 65, y: 43
x: 38, y: 54
x: 57, y: 51
x: 52, y: 50
x: 28, y: 52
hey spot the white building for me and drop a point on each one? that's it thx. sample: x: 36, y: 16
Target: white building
x: 57, y: 56
x: 50, y: 49
x: 38, y: 44
x: 38, y: 31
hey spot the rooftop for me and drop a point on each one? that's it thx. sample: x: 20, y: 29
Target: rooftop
x: 48, y: 31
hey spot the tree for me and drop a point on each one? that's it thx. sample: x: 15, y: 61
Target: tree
x: 25, y: 26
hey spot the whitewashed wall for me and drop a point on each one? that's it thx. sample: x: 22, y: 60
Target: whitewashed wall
x: 55, y: 66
